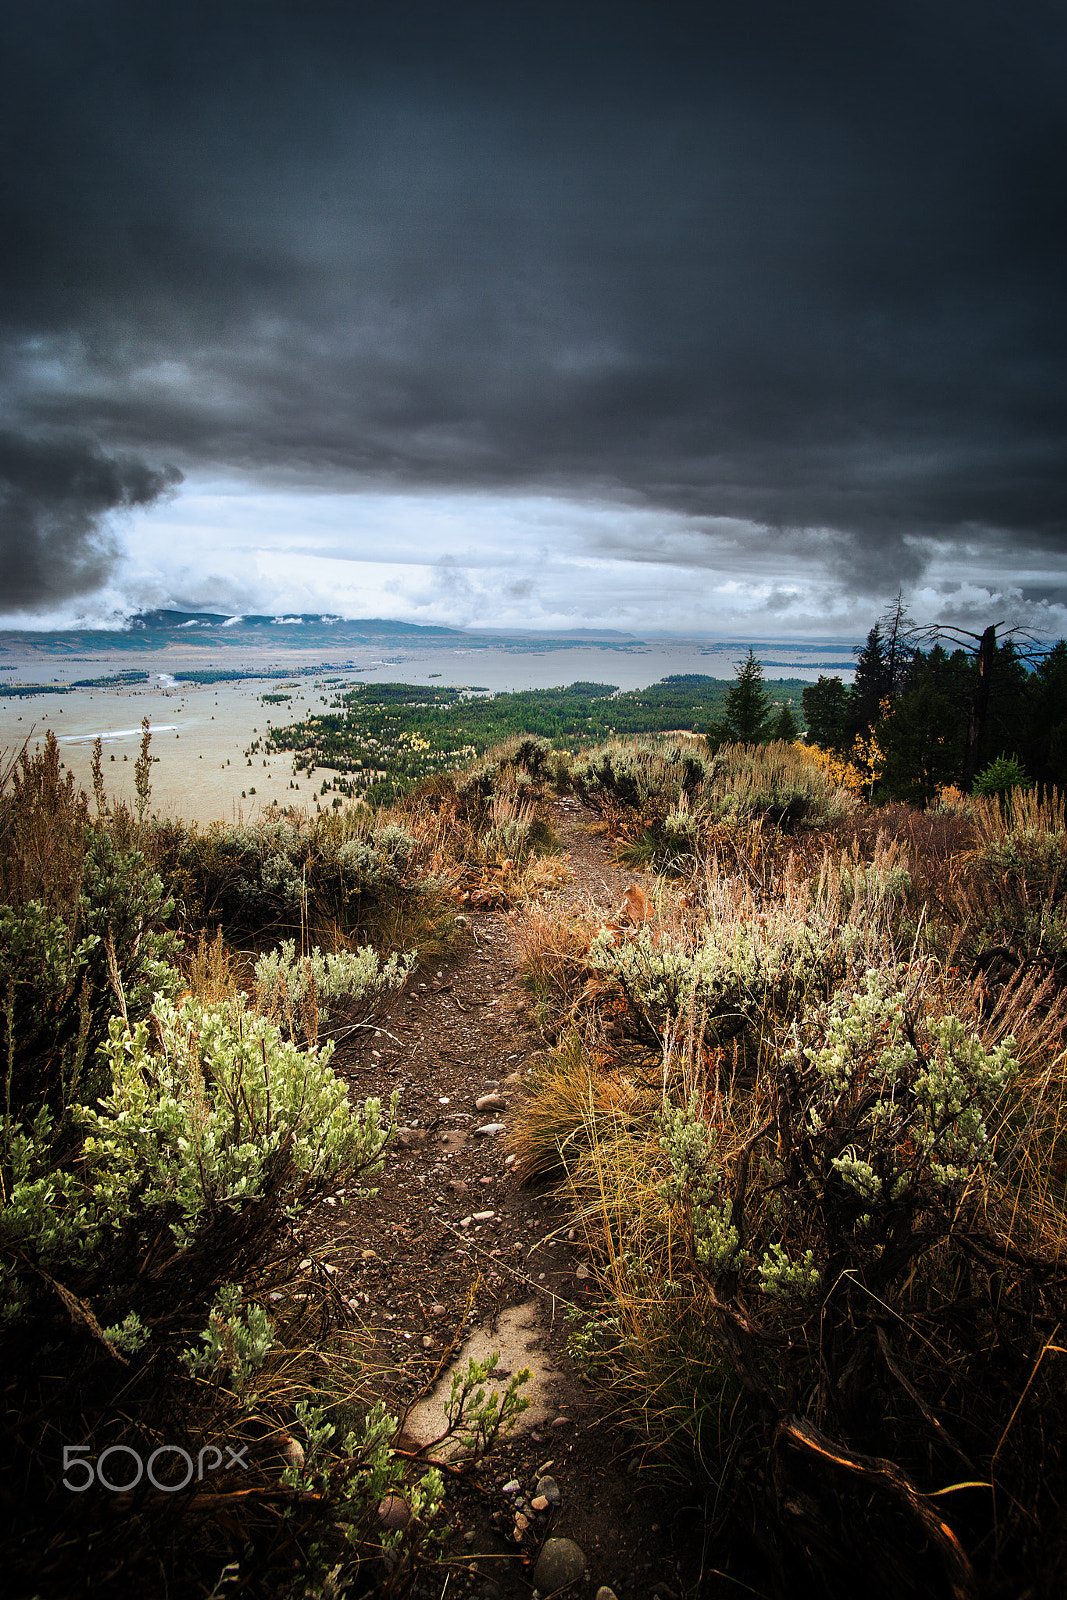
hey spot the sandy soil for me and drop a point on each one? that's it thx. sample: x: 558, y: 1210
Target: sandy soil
x: 199, y: 735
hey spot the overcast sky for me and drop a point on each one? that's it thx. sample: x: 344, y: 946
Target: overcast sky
x: 648, y: 316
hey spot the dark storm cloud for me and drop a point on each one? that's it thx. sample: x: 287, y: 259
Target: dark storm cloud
x: 53, y: 494
x: 801, y: 266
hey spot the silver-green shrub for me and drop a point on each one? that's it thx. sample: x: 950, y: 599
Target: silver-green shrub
x: 357, y: 980
x: 737, y: 971
x: 201, y: 1106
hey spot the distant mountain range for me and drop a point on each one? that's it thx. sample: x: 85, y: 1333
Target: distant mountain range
x: 367, y: 629
x: 163, y: 629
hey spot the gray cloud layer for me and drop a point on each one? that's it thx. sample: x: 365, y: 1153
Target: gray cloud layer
x: 796, y: 265
x: 53, y: 494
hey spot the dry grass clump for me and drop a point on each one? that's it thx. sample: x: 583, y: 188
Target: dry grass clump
x: 494, y: 841
x: 551, y: 945
x: 43, y: 827
x: 566, y: 1099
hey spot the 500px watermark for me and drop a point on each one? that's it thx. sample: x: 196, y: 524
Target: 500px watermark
x: 76, y: 1459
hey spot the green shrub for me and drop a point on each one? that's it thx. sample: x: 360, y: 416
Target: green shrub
x: 1000, y: 777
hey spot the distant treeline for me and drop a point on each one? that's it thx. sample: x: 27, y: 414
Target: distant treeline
x: 383, y: 737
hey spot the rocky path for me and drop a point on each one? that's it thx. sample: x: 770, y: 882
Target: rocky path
x: 453, y: 1258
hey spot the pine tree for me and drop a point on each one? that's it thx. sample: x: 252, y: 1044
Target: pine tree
x: 825, y: 711
x: 747, y: 711
x: 785, y: 727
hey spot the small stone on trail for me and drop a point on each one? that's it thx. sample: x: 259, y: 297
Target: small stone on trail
x: 604, y: 1593
x: 437, y: 1311
x: 540, y: 1502
x: 393, y: 1512
x: 489, y: 1130
x: 483, y: 1216
x: 427, y: 1342
x: 490, y: 1102
x: 549, y: 1488
x: 560, y: 1422
x: 582, y: 1270
x: 509, y: 1161
x: 560, y: 1564
x: 511, y: 1487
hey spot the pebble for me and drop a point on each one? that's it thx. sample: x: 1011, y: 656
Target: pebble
x: 549, y: 1489
x: 511, y: 1487
x: 604, y: 1593
x: 437, y: 1311
x: 489, y: 1130
x: 427, y: 1342
x: 490, y: 1102
x: 560, y: 1422
x: 393, y: 1512
x: 483, y: 1216
x: 560, y: 1564
x: 539, y: 1502
x: 582, y: 1270
x: 509, y: 1161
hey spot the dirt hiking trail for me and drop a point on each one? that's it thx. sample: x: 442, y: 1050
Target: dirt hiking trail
x: 453, y: 1258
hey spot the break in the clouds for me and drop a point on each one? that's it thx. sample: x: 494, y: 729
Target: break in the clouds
x: 659, y: 315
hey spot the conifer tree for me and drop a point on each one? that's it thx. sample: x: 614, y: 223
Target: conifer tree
x: 747, y: 712
x: 785, y: 727
x: 825, y: 711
